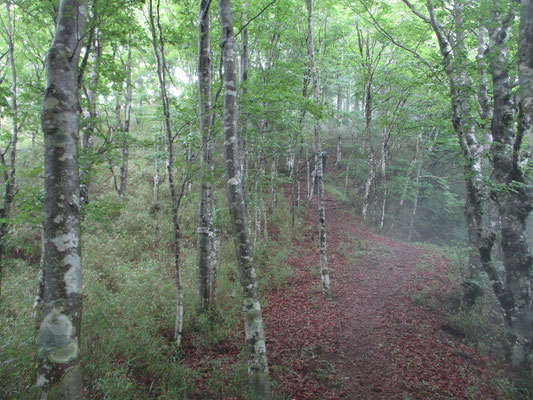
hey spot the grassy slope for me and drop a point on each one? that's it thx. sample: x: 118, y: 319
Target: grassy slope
x: 129, y: 296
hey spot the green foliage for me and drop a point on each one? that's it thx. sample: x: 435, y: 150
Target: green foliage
x: 18, y: 333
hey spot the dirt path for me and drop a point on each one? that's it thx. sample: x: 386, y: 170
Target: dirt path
x: 383, y: 336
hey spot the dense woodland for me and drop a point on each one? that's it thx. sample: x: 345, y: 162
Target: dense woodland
x: 183, y: 142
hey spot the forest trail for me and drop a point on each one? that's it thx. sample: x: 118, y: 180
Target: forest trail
x: 383, y: 336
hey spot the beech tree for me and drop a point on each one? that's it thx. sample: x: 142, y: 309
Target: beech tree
x: 205, y: 231
x: 511, y: 188
x: 162, y: 70
x: 324, y: 272
x: 258, y: 376
x: 60, y: 375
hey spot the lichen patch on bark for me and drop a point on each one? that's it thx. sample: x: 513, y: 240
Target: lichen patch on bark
x: 65, y: 241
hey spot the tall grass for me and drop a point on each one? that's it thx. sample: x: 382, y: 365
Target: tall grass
x: 130, y: 297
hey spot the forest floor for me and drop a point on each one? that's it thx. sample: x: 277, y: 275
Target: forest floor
x: 383, y: 336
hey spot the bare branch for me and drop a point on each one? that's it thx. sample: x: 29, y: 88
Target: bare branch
x: 257, y: 16
x: 416, y: 12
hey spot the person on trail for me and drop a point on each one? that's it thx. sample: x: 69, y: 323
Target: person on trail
x: 324, y: 160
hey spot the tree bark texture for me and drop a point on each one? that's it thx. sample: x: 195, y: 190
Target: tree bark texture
x: 205, y: 230
x: 324, y: 271
x: 59, y: 372
x: 525, y: 67
x: 258, y: 376
x: 513, y: 197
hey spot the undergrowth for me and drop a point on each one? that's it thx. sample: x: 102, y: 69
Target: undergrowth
x: 479, y: 325
x: 130, y: 298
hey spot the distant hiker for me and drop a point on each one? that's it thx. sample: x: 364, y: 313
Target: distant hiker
x: 324, y: 160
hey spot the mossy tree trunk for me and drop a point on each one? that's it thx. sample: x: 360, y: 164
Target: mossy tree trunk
x: 59, y: 371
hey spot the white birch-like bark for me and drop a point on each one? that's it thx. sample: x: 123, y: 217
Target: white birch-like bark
x: 324, y: 271
x: 59, y: 372
x: 258, y: 376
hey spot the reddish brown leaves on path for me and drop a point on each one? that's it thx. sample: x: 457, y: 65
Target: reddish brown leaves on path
x: 377, y: 339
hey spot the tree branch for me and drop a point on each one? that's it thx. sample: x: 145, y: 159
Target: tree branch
x: 416, y: 12
x: 257, y: 16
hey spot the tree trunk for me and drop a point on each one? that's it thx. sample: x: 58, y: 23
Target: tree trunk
x: 407, y: 183
x: 243, y: 71
x: 515, y: 200
x: 159, y: 51
x: 126, y: 129
x: 155, y: 197
x: 525, y: 67
x: 90, y: 114
x: 9, y: 171
x: 324, y: 272
x: 339, y: 124
x: 59, y: 372
x: 206, y: 258
x: 369, y: 183
x: 258, y: 376
x: 383, y: 170
x: 415, y: 202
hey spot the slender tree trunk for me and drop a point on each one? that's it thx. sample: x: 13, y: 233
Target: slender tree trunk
x: 273, y: 181
x: 339, y: 151
x: 206, y: 254
x: 9, y: 167
x: 415, y: 202
x: 159, y: 51
x: 90, y: 114
x: 369, y: 183
x: 383, y: 169
x: 155, y: 196
x: 258, y: 376
x: 59, y: 372
x: 324, y: 272
x: 243, y: 122
x: 407, y: 183
x: 311, y: 177
x: 126, y: 129
x: 339, y: 125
